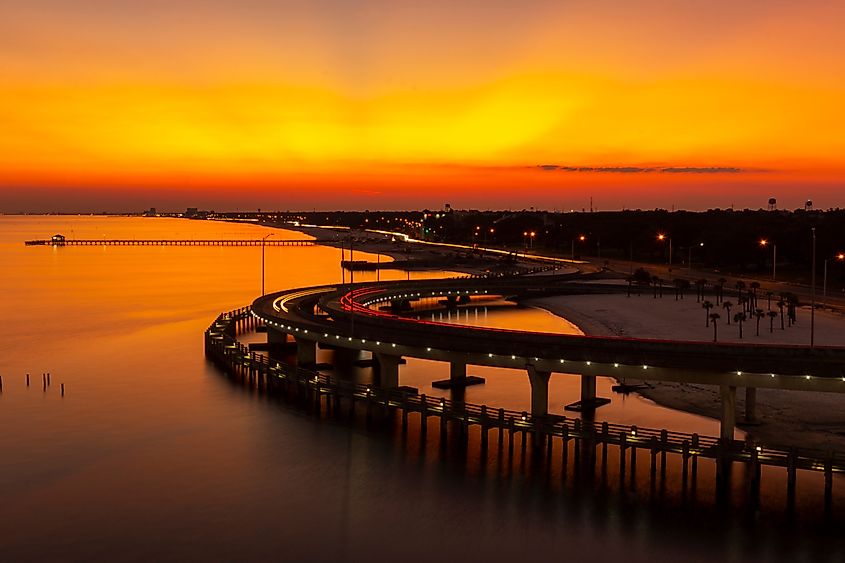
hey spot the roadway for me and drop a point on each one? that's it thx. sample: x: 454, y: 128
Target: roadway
x: 351, y: 317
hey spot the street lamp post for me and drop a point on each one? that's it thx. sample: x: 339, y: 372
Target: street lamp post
x: 532, y: 234
x: 764, y: 243
x: 813, y: 295
x: 581, y: 238
x: 689, y: 259
x: 263, y: 240
x: 839, y: 256
x: 661, y: 236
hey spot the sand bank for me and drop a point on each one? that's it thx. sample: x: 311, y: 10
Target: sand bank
x: 805, y: 419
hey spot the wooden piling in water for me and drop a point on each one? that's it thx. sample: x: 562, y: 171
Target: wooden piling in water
x: 828, y: 481
x: 790, y: 476
x: 653, y: 450
x: 633, y: 453
x: 565, y: 453
x: 510, y: 436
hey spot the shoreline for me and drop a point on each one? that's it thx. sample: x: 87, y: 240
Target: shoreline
x: 788, y: 418
x: 429, y: 257
x: 785, y: 418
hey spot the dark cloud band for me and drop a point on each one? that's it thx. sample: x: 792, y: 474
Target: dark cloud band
x: 645, y: 169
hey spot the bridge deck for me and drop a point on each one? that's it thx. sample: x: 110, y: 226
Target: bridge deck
x: 222, y: 346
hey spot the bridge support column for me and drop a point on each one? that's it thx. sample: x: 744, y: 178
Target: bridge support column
x: 306, y: 351
x: 588, y: 389
x: 750, y: 404
x: 728, y: 394
x: 388, y: 367
x: 276, y: 336
x: 457, y: 370
x: 589, y: 402
x: 539, y: 390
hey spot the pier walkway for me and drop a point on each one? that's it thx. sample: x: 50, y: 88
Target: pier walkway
x: 329, y: 393
x: 170, y: 242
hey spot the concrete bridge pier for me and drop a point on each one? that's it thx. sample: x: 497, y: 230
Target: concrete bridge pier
x: 458, y: 379
x: 457, y: 371
x: 588, y: 389
x: 277, y: 341
x: 539, y: 390
x: 589, y: 402
x: 750, y: 404
x: 306, y: 351
x: 388, y: 369
x: 728, y: 420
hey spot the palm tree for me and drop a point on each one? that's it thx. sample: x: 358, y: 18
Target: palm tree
x: 641, y: 277
x: 685, y: 285
x: 772, y: 316
x: 720, y: 295
x: 759, y: 314
x: 769, y: 300
x: 679, y: 284
x: 754, y: 286
x: 791, y: 308
x: 781, y: 304
x: 707, y: 305
x: 726, y: 305
x: 743, y: 303
x: 740, y: 287
x: 714, y: 317
x: 699, y: 284
x: 739, y: 318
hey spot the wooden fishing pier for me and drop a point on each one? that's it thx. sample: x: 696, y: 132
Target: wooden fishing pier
x: 169, y: 242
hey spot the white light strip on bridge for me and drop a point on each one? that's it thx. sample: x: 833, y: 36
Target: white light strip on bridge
x: 280, y: 304
x: 518, y: 359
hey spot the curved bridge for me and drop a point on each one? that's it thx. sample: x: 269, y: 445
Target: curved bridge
x: 352, y: 317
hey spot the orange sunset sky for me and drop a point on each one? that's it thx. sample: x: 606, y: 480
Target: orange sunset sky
x: 117, y: 104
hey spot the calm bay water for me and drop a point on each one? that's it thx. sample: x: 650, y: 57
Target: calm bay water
x: 154, y: 454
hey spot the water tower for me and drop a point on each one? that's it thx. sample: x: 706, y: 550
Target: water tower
x: 808, y: 205
x: 773, y: 203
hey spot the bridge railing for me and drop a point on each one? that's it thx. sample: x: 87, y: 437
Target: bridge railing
x: 223, y: 347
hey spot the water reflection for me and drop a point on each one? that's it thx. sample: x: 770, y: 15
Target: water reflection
x: 153, y: 454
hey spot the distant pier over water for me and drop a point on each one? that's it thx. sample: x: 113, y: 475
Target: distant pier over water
x: 59, y: 240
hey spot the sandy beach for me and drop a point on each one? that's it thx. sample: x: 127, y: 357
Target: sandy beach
x: 815, y: 420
